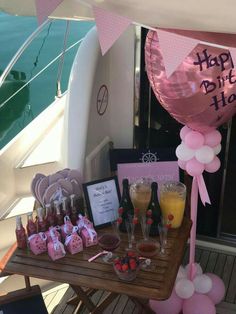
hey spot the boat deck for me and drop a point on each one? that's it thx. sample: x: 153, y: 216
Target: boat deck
x: 221, y: 263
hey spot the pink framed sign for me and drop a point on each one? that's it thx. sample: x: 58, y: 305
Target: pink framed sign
x: 159, y: 172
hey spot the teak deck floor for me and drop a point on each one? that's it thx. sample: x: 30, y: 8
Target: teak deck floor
x: 221, y: 263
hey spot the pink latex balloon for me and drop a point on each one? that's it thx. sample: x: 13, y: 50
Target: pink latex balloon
x: 201, y: 93
x: 199, y: 304
x: 182, y: 164
x: 213, y: 138
x: 194, y: 140
x: 194, y: 167
x: 173, y: 305
x: 184, y: 131
x: 213, y: 166
x: 217, y: 292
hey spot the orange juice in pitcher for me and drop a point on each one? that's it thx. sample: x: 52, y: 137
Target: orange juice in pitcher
x: 172, y: 202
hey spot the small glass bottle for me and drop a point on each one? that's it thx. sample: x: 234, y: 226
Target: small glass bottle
x: 73, y: 215
x: 59, y: 217
x: 50, y: 218
x: 20, y: 234
x: 154, y: 211
x: 31, y: 226
x: 65, y: 207
x: 126, y: 208
x: 42, y: 224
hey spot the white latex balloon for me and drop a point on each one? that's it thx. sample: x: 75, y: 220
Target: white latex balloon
x: 181, y: 273
x: 202, y: 284
x: 184, y: 288
x: 205, y: 154
x: 198, y: 269
x: 184, y: 153
x: 217, y: 149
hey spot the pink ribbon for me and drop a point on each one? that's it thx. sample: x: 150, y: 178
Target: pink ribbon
x: 203, y: 190
x: 58, y: 246
x: 198, y: 185
x: 69, y: 237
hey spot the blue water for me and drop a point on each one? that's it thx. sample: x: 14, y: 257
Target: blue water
x: 25, y: 106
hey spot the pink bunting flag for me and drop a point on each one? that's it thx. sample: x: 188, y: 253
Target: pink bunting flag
x: 110, y: 27
x: 174, y: 49
x: 44, y: 8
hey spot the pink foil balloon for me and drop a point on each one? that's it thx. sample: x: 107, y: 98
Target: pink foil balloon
x: 213, y: 166
x: 194, y: 140
x: 194, y: 167
x: 201, y: 93
x: 199, y: 304
x: 173, y: 305
x: 217, y: 292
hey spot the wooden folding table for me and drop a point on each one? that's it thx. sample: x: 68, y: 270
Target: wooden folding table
x: 75, y: 270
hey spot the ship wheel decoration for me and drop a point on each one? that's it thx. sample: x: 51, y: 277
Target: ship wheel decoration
x: 149, y: 157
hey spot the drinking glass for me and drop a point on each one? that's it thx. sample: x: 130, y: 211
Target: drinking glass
x: 172, y: 202
x: 140, y: 194
x: 163, y: 230
x: 130, y: 226
x: 145, y: 227
x: 146, y: 247
x: 109, y: 241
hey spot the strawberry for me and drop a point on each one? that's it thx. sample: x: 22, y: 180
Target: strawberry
x: 136, y: 211
x: 118, y: 267
x: 149, y: 221
x: 120, y: 211
x: 170, y: 217
x: 117, y: 260
x: 131, y: 254
x: 125, y: 267
x: 135, y: 220
x: 149, y: 213
x: 133, y: 266
x: 119, y: 220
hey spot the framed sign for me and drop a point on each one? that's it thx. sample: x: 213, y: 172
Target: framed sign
x: 102, y: 198
x: 159, y: 172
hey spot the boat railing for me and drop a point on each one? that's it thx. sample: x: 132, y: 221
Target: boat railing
x: 20, y: 52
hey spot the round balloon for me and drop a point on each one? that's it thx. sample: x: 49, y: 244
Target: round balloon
x: 217, y: 291
x: 201, y: 93
x: 199, y: 304
x: 173, y: 305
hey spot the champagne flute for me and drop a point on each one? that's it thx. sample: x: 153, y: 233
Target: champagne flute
x: 163, y: 230
x: 130, y: 226
x: 140, y: 194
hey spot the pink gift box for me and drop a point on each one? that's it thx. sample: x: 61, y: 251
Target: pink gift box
x: 89, y: 240
x: 83, y: 220
x: 56, y: 250
x: 38, y: 243
x: 53, y: 233
x: 74, y: 243
x: 66, y: 229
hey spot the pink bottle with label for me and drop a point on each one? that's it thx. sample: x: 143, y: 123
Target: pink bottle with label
x: 31, y: 226
x: 20, y: 234
x: 42, y: 224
